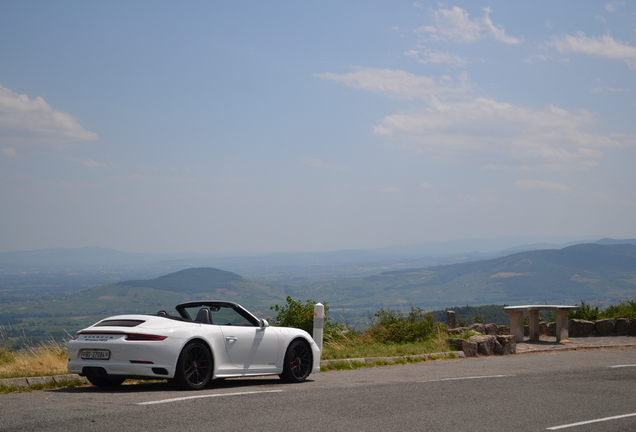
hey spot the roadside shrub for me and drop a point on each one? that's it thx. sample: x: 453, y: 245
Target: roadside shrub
x: 586, y: 312
x: 621, y: 310
x: 392, y: 326
x: 301, y: 315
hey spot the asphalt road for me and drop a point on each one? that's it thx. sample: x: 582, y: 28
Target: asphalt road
x: 531, y: 392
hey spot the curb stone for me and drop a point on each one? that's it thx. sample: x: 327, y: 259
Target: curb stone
x: 42, y: 380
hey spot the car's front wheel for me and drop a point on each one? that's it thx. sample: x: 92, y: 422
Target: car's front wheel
x: 194, y: 367
x: 104, y: 381
x: 298, y: 362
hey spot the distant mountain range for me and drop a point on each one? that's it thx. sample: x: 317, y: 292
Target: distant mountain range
x: 603, y: 272
x: 64, y: 270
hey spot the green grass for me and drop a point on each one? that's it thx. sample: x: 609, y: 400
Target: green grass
x: 356, y: 364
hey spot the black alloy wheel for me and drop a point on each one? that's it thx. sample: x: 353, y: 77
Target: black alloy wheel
x: 194, y: 367
x: 298, y: 362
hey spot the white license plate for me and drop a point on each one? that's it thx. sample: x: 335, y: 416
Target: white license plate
x: 95, y: 354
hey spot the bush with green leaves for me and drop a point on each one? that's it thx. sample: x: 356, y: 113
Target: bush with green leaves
x: 624, y: 309
x: 301, y: 315
x: 393, y: 326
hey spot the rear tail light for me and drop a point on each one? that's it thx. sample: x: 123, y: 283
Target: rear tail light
x: 144, y: 337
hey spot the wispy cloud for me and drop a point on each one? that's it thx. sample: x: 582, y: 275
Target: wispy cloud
x: 398, y: 83
x: 390, y: 189
x: 613, y: 6
x: 603, y: 46
x: 494, y: 130
x: 456, y: 24
x: 34, y: 121
x: 431, y: 56
x: 543, y: 185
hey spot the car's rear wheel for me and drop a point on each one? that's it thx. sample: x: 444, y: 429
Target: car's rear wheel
x: 194, y: 367
x: 105, y: 381
x: 298, y: 362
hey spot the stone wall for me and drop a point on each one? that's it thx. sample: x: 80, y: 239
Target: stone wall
x: 583, y: 328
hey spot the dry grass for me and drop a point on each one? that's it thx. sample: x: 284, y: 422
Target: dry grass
x: 44, y: 359
x: 362, y: 345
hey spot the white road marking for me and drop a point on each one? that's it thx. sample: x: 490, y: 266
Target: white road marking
x: 622, y: 366
x: 465, y: 378
x: 591, y: 421
x: 205, y: 396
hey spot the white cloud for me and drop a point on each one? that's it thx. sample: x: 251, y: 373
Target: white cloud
x: 455, y: 24
x: 613, y: 6
x: 425, y: 185
x: 390, y: 189
x: 493, y: 129
x: 398, y: 83
x: 34, y: 121
x: 497, y: 31
x: 431, y: 56
x: 538, y: 184
x: 604, y: 46
x: 320, y: 164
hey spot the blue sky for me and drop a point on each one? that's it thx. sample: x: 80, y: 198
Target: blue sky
x: 244, y: 126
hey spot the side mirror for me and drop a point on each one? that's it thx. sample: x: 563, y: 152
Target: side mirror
x: 264, y: 324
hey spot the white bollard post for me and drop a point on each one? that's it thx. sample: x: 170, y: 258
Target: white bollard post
x: 319, y: 322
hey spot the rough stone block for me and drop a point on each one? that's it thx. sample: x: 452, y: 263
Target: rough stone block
x: 580, y: 328
x: 456, y: 331
x: 478, y: 327
x: 543, y: 328
x: 605, y: 327
x: 622, y: 327
x: 632, y: 327
x: 490, y: 329
x: 456, y: 343
x: 503, y: 330
x: 485, y: 344
x: 469, y: 348
x: 508, y: 344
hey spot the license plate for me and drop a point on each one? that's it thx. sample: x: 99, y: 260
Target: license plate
x: 95, y: 354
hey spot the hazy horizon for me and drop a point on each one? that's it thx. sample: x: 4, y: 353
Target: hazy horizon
x: 250, y: 127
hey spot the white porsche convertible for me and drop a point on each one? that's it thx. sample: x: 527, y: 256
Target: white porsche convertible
x: 208, y: 340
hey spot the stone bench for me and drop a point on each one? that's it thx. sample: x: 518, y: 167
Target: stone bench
x: 516, y: 320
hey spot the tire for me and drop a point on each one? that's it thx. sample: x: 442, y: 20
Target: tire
x: 298, y: 362
x: 105, y: 381
x: 194, y: 367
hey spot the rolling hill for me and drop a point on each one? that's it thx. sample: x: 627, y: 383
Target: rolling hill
x: 604, y: 273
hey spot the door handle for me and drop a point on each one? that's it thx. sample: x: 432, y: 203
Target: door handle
x: 231, y: 338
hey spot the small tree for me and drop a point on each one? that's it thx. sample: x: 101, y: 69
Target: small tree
x: 301, y: 315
